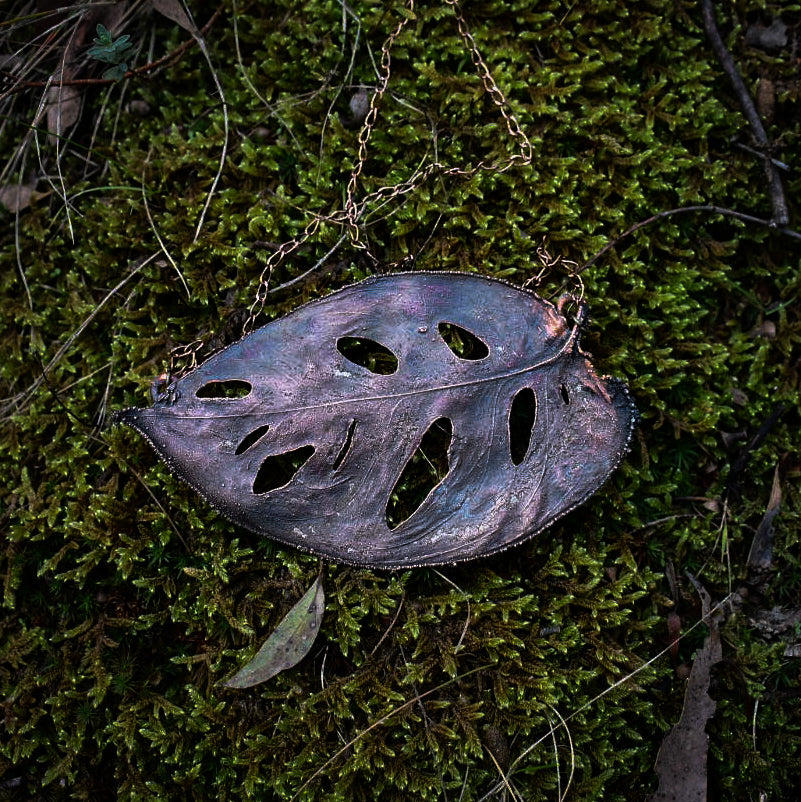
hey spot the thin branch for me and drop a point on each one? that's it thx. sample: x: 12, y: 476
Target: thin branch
x: 302, y: 276
x: 747, y: 218
x: 8, y: 405
x: 781, y: 216
x: 154, y: 229
x: 224, y: 152
x: 145, y: 68
x: 414, y: 700
x: 563, y: 721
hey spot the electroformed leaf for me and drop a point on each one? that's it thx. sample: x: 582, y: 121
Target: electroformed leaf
x: 311, y: 429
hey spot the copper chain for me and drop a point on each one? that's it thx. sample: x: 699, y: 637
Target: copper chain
x: 354, y: 210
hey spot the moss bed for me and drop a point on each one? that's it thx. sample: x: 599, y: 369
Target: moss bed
x: 126, y: 598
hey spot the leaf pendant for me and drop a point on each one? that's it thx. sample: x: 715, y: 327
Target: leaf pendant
x: 412, y: 419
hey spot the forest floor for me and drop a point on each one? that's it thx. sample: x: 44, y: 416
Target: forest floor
x: 175, y: 176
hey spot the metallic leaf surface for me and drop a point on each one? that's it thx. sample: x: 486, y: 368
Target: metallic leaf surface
x: 303, y: 429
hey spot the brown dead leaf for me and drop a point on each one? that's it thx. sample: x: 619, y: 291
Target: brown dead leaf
x: 175, y: 11
x: 63, y: 109
x: 64, y: 103
x: 16, y: 197
x: 777, y: 623
x: 681, y: 762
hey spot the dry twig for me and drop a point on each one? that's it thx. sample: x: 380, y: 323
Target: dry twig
x: 746, y: 218
x: 781, y: 216
x: 22, y: 86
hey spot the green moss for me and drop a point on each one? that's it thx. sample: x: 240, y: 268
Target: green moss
x: 125, y: 598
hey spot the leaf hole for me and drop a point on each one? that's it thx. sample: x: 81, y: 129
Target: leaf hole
x: 279, y: 469
x: 564, y: 393
x: 232, y: 388
x: 522, y: 417
x: 345, y: 446
x: 463, y: 343
x: 250, y: 440
x: 427, y: 467
x: 368, y: 354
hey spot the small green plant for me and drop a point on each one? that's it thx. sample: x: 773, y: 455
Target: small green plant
x: 112, y: 51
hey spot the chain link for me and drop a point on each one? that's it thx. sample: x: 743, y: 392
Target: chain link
x: 349, y: 217
x: 567, y: 295
x: 352, y: 212
x: 388, y: 193
x: 272, y: 262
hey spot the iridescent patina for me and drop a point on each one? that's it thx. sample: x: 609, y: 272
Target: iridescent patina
x: 289, y: 389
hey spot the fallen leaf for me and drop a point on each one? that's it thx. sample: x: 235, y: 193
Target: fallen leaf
x: 760, y: 556
x: 413, y: 419
x: 289, y: 643
x: 63, y: 108
x: 778, y: 623
x: 681, y: 762
x: 175, y: 11
x: 16, y: 197
x: 64, y: 103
